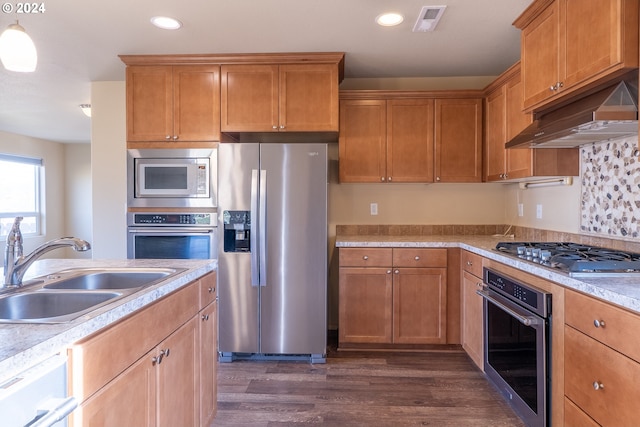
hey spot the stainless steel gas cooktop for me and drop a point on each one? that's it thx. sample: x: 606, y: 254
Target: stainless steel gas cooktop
x: 575, y: 259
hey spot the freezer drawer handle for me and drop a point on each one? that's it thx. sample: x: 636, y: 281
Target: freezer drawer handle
x: 48, y: 415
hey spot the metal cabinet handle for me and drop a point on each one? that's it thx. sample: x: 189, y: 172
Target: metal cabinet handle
x: 437, y: 178
x: 366, y: 257
x: 158, y: 359
x: 397, y: 271
x: 211, y: 290
x: 167, y: 137
x: 556, y: 86
x: 389, y: 179
x: 281, y: 126
x: 469, y: 263
x: 417, y: 258
x: 382, y: 178
x: 205, y: 317
x: 388, y: 271
x: 274, y: 127
x: 598, y: 385
x: 175, y: 137
x: 599, y: 323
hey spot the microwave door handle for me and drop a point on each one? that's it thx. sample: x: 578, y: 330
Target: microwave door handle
x: 253, y: 230
x: 262, y: 223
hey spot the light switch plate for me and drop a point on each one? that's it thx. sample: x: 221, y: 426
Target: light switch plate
x: 374, y: 209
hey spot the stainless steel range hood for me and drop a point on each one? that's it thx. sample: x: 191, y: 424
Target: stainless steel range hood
x: 607, y: 114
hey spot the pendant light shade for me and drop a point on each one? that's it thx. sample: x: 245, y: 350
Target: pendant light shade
x: 17, y: 51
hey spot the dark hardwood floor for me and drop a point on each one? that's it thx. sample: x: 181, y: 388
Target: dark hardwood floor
x: 361, y: 388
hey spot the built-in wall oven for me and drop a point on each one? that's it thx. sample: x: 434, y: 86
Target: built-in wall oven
x: 517, y: 320
x: 179, y: 235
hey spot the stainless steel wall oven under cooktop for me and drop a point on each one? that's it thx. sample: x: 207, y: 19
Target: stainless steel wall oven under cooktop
x: 575, y: 259
x: 517, y: 326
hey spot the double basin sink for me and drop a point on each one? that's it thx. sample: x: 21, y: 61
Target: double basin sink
x: 69, y: 294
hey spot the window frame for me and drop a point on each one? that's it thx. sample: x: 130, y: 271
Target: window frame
x: 38, y: 193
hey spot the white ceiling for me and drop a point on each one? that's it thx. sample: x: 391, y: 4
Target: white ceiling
x: 79, y: 42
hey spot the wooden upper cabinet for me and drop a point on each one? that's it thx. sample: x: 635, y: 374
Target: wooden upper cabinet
x: 574, y: 45
x: 362, y: 143
x: 386, y: 140
x: 495, y: 135
x: 504, y: 119
x: 458, y: 140
x: 410, y: 140
x: 279, y: 98
x: 173, y: 103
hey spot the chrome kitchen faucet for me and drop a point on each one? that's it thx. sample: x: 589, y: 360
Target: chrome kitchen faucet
x: 15, y: 264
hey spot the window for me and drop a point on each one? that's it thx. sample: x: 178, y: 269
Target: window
x: 20, y: 193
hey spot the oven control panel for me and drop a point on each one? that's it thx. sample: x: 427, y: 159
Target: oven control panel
x: 177, y: 219
x: 528, y: 296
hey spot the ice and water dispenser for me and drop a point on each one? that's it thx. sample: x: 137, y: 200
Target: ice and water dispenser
x: 237, y: 234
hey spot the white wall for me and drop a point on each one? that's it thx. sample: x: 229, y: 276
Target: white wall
x: 78, y: 217
x: 108, y: 171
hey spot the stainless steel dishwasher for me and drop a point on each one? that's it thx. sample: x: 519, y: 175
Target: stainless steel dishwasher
x: 37, y: 397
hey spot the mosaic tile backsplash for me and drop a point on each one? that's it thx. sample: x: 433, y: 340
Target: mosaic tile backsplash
x: 611, y: 188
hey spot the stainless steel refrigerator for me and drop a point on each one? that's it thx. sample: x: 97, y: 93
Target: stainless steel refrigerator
x: 272, y: 258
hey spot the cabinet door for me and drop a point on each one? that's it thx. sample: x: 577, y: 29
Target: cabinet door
x: 458, y: 140
x: 149, y: 103
x: 178, y: 378
x: 208, y: 364
x: 472, y: 330
x: 593, y: 33
x: 420, y: 306
x: 365, y: 305
x: 518, y: 160
x: 309, y: 98
x: 196, y: 103
x: 495, y: 135
x: 540, y: 56
x: 410, y: 140
x: 362, y: 142
x: 128, y: 400
x: 249, y: 98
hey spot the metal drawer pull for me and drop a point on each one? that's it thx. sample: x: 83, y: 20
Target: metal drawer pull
x: 417, y: 258
x: 211, y: 290
x: 525, y: 320
x: 365, y: 257
x: 469, y: 263
x: 388, y: 271
x: 397, y: 271
x: 205, y: 317
x: 597, y: 385
x: 599, y: 323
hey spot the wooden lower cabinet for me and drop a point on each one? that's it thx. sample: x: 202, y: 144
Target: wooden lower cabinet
x: 392, y: 305
x: 156, y: 367
x: 602, y: 362
x: 472, y: 307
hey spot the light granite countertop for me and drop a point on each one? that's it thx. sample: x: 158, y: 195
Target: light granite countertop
x: 24, y: 345
x: 623, y: 291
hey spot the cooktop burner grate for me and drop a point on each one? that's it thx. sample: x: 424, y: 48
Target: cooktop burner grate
x: 578, y: 260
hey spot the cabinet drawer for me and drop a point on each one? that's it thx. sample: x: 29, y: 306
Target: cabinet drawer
x: 365, y: 257
x: 599, y: 380
x: 207, y: 289
x: 616, y: 325
x: 575, y: 417
x: 471, y: 263
x: 411, y: 257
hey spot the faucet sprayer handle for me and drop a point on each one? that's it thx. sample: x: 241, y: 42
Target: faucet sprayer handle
x: 15, y: 236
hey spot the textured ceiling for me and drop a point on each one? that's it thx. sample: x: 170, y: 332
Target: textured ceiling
x: 79, y: 42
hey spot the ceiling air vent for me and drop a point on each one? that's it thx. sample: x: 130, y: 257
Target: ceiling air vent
x: 428, y: 18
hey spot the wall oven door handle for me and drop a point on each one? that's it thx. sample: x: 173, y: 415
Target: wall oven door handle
x: 496, y: 299
x: 170, y: 230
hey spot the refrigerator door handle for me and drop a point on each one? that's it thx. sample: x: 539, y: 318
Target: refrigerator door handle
x: 262, y: 224
x: 253, y: 230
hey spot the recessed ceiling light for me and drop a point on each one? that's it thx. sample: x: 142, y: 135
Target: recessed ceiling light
x: 389, y: 19
x: 166, y: 23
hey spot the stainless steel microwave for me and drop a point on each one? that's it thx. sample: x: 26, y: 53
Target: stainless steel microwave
x: 171, y: 177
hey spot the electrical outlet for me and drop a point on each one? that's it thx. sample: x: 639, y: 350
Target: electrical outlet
x: 539, y: 211
x: 520, y: 209
x: 374, y: 209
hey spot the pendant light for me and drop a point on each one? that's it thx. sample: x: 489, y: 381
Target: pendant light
x: 17, y: 51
